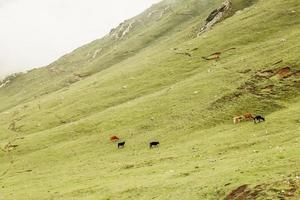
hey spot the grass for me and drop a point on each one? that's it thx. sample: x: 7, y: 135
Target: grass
x: 62, y: 130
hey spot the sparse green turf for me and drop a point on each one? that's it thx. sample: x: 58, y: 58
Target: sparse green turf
x: 141, y: 90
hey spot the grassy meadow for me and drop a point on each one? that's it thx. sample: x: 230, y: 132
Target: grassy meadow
x: 55, y: 122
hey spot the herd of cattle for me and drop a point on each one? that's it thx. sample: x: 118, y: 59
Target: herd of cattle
x: 237, y: 119
x: 248, y: 117
x: 122, y: 144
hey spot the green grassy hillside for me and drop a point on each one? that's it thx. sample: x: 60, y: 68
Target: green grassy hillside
x: 147, y: 81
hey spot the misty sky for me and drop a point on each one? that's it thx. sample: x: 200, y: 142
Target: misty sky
x: 34, y: 33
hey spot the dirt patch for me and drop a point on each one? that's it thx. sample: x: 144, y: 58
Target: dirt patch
x: 280, y: 73
x: 216, y: 55
x: 237, y: 193
x: 265, y: 73
x: 284, y: 72
x: 285, y: 189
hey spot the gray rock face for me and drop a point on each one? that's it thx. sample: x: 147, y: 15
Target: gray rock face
x: 216, y: 16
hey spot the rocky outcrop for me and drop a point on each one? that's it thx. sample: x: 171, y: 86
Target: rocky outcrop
x: 216, y: 16
x: 154, y: 14
x: 123, y: 29
x: 5, y: 82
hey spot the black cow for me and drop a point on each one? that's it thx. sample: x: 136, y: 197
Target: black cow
x: 121, y: 145
x: 259, y: 119
x: 153, y: 144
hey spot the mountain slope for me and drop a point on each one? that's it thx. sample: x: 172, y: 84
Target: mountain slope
x: 153, y: 84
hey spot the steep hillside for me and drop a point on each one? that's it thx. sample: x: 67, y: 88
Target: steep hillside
x: 178, y: 73
x: 155, y: 25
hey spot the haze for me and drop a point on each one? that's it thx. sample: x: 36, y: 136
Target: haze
x: 33, y: 33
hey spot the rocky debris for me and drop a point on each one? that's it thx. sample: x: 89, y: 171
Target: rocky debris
x: 123, y: 29
x: 216, y: 16
x: 9, y: 79
x: 234, y: 194
x: 9, y: 146
x: 4, y: 83
x: 265, y: 73
x: 127, y: 26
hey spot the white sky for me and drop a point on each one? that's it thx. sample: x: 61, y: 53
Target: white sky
x: 33, y: 33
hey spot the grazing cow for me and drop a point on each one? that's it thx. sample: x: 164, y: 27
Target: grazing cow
x: 238, y: 119
x: 114, y: 138
x: 121, y: 145
x: 259, y: 119
x: 153, y: 144
x: 248, y: 116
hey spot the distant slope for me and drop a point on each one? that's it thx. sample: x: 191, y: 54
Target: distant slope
x: 155, y: 24
x: 153, y: 83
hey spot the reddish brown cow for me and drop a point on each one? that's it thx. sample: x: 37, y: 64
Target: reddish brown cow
x: 114, y: 138
x: 248, y: 116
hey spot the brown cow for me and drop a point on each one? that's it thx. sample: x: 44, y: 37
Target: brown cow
x: 248, y: 116
x: 114, y: 138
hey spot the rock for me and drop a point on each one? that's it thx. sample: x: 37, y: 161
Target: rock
x: 123, y: 29
x: 216, y: 16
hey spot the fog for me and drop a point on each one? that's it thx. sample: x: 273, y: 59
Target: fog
x: 33, y: 33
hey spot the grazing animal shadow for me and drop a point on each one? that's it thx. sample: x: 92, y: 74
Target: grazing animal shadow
x: 153, y: 144
x: 258, y: 119
x: 121, y: 145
